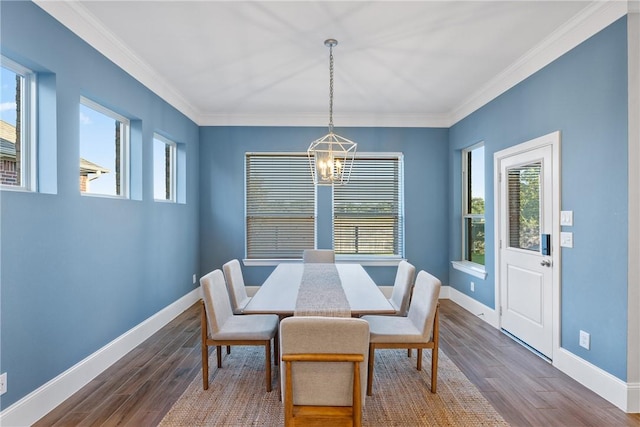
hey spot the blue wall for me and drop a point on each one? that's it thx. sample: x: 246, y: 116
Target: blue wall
x: 426, y: 172
x: 584, y: 95
x: 79, y: 271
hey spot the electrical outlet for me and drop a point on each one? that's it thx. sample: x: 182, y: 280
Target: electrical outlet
x: 585, y: 340
x: 194, y: 278
x: 3, y: 383
x: 473, y: 287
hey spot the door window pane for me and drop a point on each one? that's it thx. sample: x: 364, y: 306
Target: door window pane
x: 524, y: 206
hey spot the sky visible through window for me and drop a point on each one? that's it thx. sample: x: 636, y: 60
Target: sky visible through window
x: 8, y: 99
x: 97, y: 145
x: 477, y: 173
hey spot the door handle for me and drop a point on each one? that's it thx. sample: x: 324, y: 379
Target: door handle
x: 545, y: 263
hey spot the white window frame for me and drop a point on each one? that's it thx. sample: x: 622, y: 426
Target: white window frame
x: 173, y: 168
x: 28, y: 129
x: 375, y: 259
x: 466, y: 265
x: 125, y: 153
x: 304, y: 174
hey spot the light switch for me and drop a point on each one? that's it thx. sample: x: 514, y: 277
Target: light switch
x: 566, y: 218
x: 566, y: 239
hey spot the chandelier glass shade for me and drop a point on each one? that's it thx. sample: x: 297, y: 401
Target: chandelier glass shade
x: 331, y: 157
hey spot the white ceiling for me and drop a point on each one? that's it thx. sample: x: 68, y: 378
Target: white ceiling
x: 398, y: 63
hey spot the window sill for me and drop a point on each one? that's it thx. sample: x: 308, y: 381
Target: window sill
x: 471, y: 268
x: 340, y: 259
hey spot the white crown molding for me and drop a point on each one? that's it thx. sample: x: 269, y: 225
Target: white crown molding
x: 321, y: 120
x: 74, y: 16
x: 590, y: 21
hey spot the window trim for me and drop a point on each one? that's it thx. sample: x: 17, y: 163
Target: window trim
x: 369, y: 259
x: 173, y: 165
x: 28, y: 124
x: 464, y: 265
x: 125, y: 152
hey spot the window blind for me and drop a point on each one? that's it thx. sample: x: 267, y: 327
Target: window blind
x: 280, y: 205
x: 524, y: 206
x: 368, y: 211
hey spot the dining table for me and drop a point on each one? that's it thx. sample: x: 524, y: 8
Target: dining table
x: 324, y: 289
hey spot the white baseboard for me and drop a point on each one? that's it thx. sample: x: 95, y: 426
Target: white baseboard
x: 483, y: 312
x: 633, y: 398
x: 624, y: 395
x: 41, y: 401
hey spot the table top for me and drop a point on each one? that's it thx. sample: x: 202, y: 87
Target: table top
x: 279, y: 293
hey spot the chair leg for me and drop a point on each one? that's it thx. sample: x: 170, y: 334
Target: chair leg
x: 228, y: 349
x: 356, y: 398
x: 372, y: 352
x: 434, y: 351
x: 288, y: 398
x: 276, y: 349
x: 204, y: 348
x: 434, y: 369
x: 205, y: 367
x: 408, y: 352
x: 267, y: 356
x: 219, y: 354
x: 419, y: 359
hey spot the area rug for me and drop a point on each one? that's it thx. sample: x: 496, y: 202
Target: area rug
x: 401, y: 395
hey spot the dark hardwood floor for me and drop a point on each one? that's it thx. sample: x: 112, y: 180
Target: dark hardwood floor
x: 140, y: 388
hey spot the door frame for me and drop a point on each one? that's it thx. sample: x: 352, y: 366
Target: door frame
x: 551, y: 139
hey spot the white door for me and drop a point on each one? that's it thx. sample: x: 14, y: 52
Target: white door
x: 526, y: 228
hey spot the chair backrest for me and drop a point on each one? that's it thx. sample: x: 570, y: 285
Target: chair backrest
x: 235, y: 285
x: 402, y: 287
x: 319, y: 255
x: 318, y: 383
x: 216, y: 300
x: 424, y: 302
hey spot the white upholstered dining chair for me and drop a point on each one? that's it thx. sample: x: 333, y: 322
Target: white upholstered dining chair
x: 403, y: 287
x: 220, y: 327
x: 319, y: 255
x: 418, y: 330
x: 323, y: 370
x: 235, y: 285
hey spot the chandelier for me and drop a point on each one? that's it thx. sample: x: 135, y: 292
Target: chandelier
x: 331, y: 157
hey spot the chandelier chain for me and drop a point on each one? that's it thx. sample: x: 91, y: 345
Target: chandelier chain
x: 331, y: 88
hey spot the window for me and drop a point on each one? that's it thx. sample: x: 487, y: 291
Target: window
x: 524, y: 206
x: 473, y: 204
x: 368, y: 212
x: 104, y: 151
x: 17, y: 127
x: 280, y: 205
x: 164, y: 168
